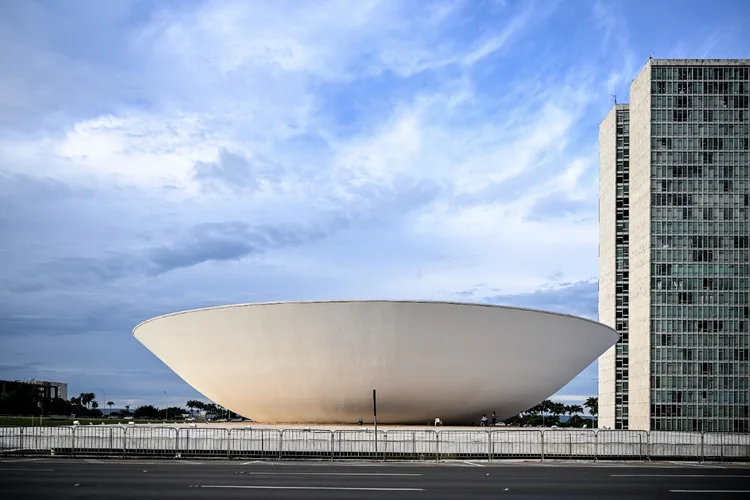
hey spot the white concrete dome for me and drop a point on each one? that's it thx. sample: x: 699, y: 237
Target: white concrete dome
x: 318, y: 362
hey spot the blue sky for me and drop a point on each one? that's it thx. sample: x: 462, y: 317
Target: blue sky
x: 160, y: 156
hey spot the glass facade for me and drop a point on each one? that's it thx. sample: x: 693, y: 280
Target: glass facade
x: 621, y: 266
x: 700, y: 259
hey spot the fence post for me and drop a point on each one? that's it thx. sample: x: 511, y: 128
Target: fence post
x: 281, y: 442
x: 703, y: 433
x: 73, y: 442
x: 541, y: 434
x: 111, y: 439
x: 229, y: 445
x: 596, y: 446
x: 333, y: 443
x: 385, y: 445
x: 177, y: 441
x: 570, y: 445
x: 437, y: 446
x: 489, y: 446
x: 640, y: 445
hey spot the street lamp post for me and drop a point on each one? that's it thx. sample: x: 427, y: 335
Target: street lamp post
x: 104, y: 398
x: 166, y: 408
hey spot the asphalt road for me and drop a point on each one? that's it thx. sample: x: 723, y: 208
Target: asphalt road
x: 63, y: 479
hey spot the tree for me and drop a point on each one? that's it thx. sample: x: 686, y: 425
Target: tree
x: 575, y: 409
x: 557, y: 409
x: 147, y: 411
x: 86, y: 398
x: 58, y: 406
x: 592, y: 404
x: 94, y: 405
x: 110, y: 404
x: 194, y: 404
x: 174, y: 412
x: 546, y: 407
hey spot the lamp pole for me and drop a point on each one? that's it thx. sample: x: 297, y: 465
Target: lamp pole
x: 375, y: 418
x: 104, y: 398
x: 166, y: 408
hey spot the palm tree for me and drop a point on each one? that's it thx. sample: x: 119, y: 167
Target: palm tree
x: 557, y: 409
x: 592, y: 404
x: 86, y: 398
x: 572, y: 410
x: 110, y: 404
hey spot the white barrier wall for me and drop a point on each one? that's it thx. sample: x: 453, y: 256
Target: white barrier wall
x: 152, y: 440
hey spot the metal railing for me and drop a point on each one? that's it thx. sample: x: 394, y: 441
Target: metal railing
x: 396, y: 444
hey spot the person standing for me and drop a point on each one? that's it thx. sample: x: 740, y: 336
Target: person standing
x: 494, y: 419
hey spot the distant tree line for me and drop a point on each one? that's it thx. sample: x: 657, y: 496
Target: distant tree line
x: 548, y: 413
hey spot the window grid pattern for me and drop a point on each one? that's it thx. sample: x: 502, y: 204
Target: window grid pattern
x: 700, y: 261
x: 621, y: 269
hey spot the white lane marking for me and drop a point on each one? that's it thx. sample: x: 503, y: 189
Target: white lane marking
x: 709, y: 491
x: 472, y: 463
x: 93, y: 461
x: 332, y: 488
x: 678, y: 475
x: 36, y: 470
x: 189, y: 462
x: 253, y: 462
x: 327, y: 474
x: 19, y: 461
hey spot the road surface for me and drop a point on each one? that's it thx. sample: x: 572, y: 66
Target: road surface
x: 64, y: 479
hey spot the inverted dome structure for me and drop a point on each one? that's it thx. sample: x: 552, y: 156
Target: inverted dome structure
x: 318, y: 362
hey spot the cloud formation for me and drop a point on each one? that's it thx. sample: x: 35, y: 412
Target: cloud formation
x: 162, y: 156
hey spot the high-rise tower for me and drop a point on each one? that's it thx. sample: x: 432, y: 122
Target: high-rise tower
x: 674, y: 257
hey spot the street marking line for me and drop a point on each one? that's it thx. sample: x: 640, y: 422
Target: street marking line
x: 39, y: 470
x: 93, y: 461
x: 678, y: 475
x: 328, y: 488
x: 327, y: 474
x: 471, y: 463
x: 709, y: 491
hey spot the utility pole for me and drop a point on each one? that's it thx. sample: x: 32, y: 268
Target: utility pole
x: 166, y: 406
x: 104, y: 398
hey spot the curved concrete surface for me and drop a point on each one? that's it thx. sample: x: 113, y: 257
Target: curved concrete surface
x: 318, y: 362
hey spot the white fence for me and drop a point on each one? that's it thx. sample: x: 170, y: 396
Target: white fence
x: 278, y: 444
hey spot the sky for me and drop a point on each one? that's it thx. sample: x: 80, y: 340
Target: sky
x: 163, y: 156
